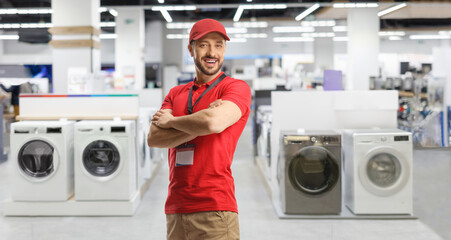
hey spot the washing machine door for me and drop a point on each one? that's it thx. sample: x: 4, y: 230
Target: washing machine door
x: 313, y: 170
x: 36, y: 160
x: 384, y: 171
x: 101, y: 158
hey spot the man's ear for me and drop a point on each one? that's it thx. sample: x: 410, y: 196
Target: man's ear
x: 190, y: 49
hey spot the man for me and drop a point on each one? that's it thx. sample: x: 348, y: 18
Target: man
x: 200, y: 123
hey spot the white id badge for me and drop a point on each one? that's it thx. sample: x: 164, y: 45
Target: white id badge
x: 184, y: 155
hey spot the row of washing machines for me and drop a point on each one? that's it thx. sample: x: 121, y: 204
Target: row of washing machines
x: 371, y: 170
x: 91, y: 160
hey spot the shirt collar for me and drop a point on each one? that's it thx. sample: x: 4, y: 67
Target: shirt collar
x: 207, y: 84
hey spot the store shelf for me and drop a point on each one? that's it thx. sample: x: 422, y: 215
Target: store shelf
x: 410, y: 94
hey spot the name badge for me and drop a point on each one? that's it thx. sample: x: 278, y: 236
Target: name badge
x: 184, y: 155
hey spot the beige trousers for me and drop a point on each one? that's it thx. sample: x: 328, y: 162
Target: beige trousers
x: 203, y: 226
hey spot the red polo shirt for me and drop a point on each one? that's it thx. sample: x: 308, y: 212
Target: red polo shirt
x: 207, y: 185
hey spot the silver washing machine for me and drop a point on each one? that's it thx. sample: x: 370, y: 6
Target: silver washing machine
x: 309, y: 170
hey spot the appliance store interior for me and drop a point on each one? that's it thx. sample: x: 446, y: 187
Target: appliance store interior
x: 348, y: 135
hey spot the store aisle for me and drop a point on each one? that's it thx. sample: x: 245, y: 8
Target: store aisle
x: 257, y: 217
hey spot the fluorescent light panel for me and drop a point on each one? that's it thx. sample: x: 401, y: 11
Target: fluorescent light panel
x: 6, y: 11
x: 25, y: 25
x: 9, y: 37
x: 107, y: 24
x: 113, y: 12
x: 319, y: 34
x: 235, y: 30
x: 293, y: 39
x: 174, y: 8
x: 241, y: 8
x: 355, y: 5
x: 177, y: 36
x: 394, y: 38
x: 166, y: 15
x: 428, y: 37
x: 392, y: 33
x: 179, y: 25
x: 339, y: 29
x: 251, y: 35
x: 251, y: 24
x: 238, y: 40
x: 103, y: 9
x: 340, y: 39
x: 392, y: 9
x: 292, y: 29
x: 307, y: 12
x: 161, y: 1
x: 320, y: 23
x: 108, y: 36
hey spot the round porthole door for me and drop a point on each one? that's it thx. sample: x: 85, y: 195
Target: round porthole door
x: 36, y: 159
x: 384, y: 171
x: 101, y: 158
x: 313, y: 170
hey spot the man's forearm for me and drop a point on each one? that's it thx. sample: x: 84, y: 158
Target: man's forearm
x: 198, y: 124
x: 167, y: 138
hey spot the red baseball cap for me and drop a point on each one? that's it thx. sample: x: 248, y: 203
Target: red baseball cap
x: 205, y: 26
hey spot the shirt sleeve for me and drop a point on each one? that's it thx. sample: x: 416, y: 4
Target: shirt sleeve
x: 167, y: 103
x: 239, y: 93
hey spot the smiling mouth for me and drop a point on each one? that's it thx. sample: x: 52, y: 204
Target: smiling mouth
x: 210, y: 62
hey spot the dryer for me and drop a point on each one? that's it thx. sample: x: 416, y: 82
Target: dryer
x: 378, y: 171
x: 309, y: 169
x: 105, y: 160
x: 42, y: 160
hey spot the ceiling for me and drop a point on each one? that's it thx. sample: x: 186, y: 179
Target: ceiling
x: 413, y: 16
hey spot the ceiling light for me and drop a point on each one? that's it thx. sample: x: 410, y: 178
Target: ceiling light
x: 392, y: 9
x: 252, y: 35
x: 293, y: 39
x: 113, y: 12
x: 177, y: 36
x: 6, y: 11
x: 9, y: 37
x: 320, y: 23
x: 166, y: 15
x: 241, y: 8
x: 355, y: 5
x: 235, y: 30
x: 340, y: 39
x: 394, y: 38
x: 251, y: 24
x: 307, y: 12
x: 392, y: 33
x: 238, y: 14
x: 107, y: 24
x: 292, y: 29
x: 319, y: 34
x: 249, y: 0
x: 103, y: 9
x: 238, y: 40
x: 108, y: 36
x: 161, y: 1
x: 339, y: 28
x: 25, y: 25
x: 179, y: 25
x: 174, y: 8
x: 428, y: 37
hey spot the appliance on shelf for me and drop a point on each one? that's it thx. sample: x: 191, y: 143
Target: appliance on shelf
x: 105, y: 160
x: 309, y: 172
x: 42, y: 159
x: 378, y: 171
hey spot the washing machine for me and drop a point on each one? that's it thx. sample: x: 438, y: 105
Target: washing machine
x: 378, y: 171
x: 42, y: 160
x: 309, y: 169
x: 264, y: 120
x: 105, y: 160
x: 148, y: 157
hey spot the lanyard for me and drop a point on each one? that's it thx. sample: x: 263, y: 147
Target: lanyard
x: 190, y: 96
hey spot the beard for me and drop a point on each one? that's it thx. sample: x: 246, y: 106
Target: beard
x: 205, y: 70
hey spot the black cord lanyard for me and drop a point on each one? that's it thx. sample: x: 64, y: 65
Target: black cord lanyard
x: 190, y: 96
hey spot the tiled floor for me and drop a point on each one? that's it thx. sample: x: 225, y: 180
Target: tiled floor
x: 258, y: 219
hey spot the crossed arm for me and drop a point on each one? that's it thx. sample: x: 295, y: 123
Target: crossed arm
x: 167, y: 131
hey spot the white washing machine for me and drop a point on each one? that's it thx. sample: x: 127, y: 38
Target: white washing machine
x: 263, y: 145
x: 378, y: 170
x: 42, y: 159
x: 309, y: 172
x: 147, y: 156
x: 105, y: 160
